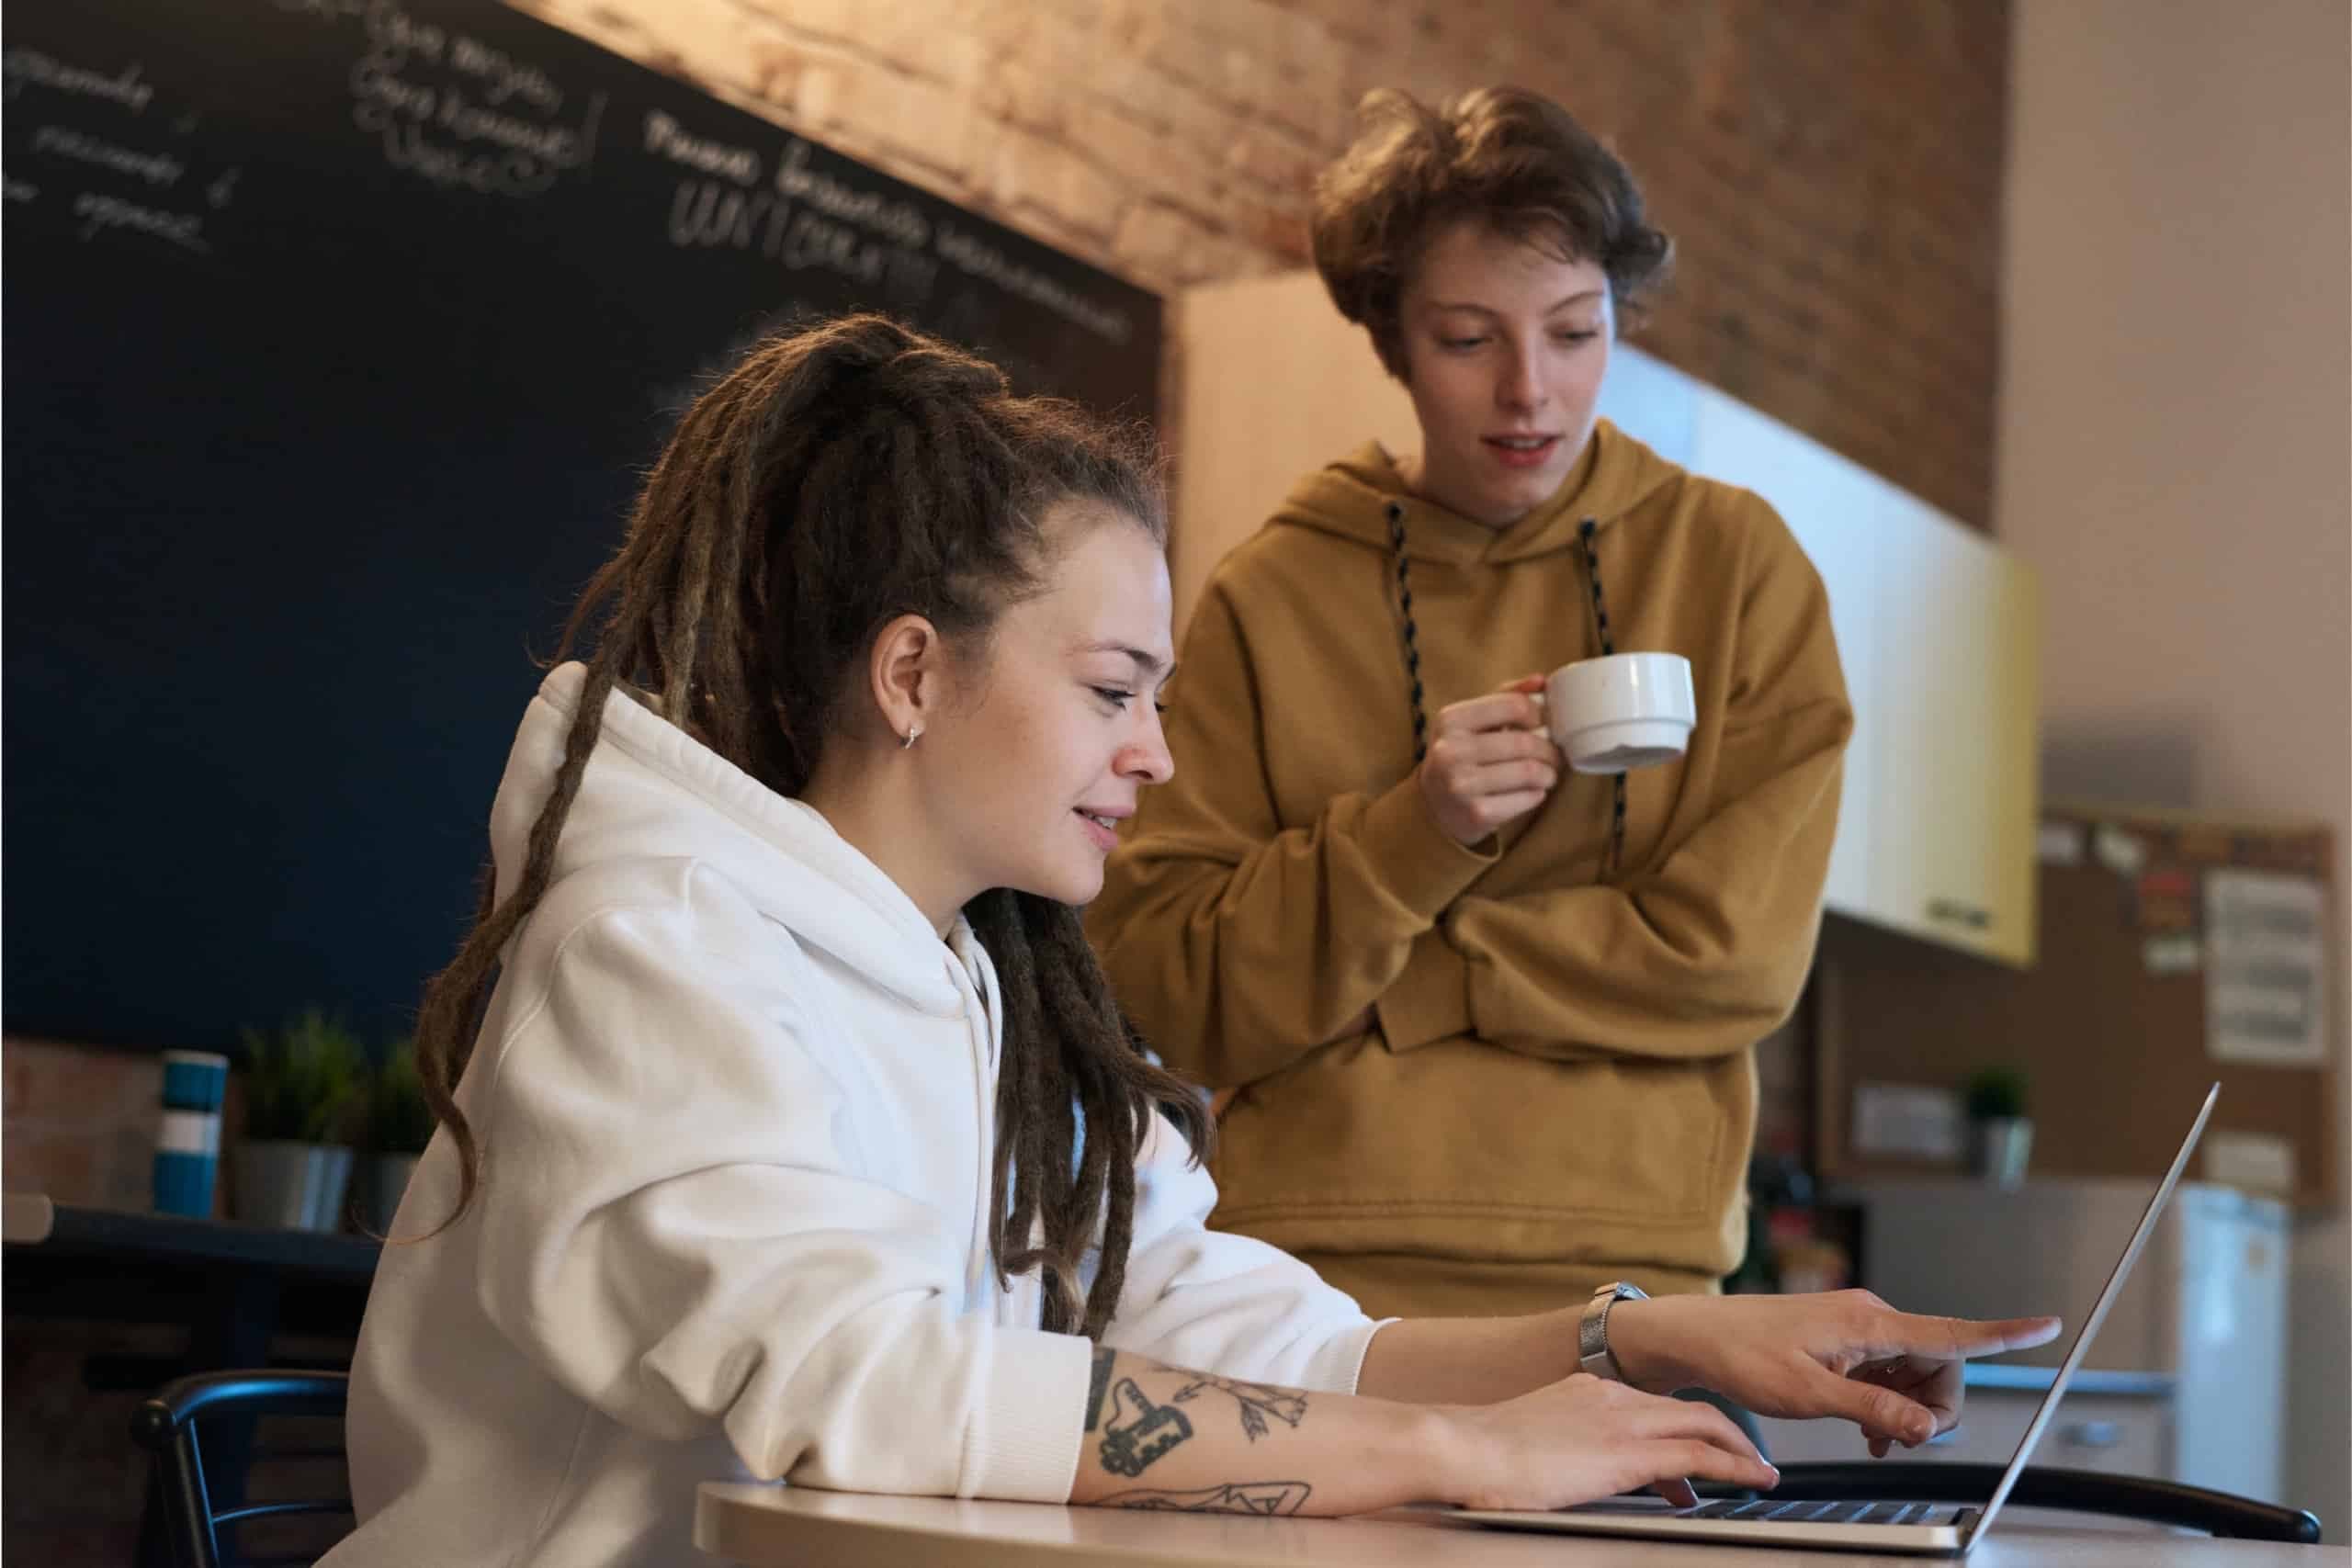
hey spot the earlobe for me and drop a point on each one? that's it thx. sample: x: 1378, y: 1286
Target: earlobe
x: 904, y: 675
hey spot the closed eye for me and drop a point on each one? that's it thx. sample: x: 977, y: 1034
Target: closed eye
x: 1117, y: 696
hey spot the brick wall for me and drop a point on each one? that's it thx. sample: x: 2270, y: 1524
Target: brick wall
x: 79, y: 1124
x: 1832, y: 168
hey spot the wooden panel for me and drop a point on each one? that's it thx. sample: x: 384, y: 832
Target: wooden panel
x: 2112, y: 1050
x: 1275, y: 382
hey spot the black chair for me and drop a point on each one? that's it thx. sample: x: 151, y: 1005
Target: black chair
x: 200, y: 1501
x: 2080, y: 1491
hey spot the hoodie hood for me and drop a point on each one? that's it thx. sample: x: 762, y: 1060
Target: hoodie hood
x: 652, y: 792
x: 1351, y: 497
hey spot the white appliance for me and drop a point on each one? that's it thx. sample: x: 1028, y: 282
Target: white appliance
x: 2195, y: 1346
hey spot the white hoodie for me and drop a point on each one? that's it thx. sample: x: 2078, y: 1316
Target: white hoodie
x: 736, y: 1101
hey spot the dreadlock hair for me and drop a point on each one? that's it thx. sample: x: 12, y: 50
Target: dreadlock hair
x: 838, y: 478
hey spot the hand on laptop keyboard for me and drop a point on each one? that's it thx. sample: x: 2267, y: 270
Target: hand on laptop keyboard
x: 1583, y: 1438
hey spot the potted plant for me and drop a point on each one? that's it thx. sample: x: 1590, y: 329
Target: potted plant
x: 302, y: 1082
x: 2001, y: 1134
x: 399, y: 1126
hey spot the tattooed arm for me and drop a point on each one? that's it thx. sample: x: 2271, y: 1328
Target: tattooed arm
x: 1160, y: 1436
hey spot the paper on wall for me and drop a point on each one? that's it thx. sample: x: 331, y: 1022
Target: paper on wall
x: 2119, y: 852
x: 1909, y: 1120
x: 2266, y: 968
x: 2251, y: 1162
x: 2058, y: 843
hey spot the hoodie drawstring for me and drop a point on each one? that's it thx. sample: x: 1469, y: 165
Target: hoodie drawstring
x: 982, y: 1028
x: 1584, y: 530
x: 1412, y: 647
x: 1396, y: 511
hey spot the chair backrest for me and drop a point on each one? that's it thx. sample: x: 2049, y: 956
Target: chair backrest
x: 2142, y: 1497
x: 202, y: 1488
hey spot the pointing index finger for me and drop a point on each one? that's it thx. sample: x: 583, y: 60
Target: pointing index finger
x: 1957, y: 1339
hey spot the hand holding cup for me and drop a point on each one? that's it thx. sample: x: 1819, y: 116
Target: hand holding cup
x: 1489, y: 761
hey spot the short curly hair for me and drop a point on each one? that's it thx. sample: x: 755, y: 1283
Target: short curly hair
x: 1502, y: 155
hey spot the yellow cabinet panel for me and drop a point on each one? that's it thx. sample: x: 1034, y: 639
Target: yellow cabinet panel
x: 1954, y: 744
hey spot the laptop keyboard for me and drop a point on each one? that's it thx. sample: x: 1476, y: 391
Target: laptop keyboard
x: 1831, y: 1513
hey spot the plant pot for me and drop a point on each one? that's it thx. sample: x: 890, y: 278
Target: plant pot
x: 291, y: 1186
x: 384, y: 1180
x: 2000, y: 1148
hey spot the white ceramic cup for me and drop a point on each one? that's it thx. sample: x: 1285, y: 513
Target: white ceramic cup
x: 1621, y: 712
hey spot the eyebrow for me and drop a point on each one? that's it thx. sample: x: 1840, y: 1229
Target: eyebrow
x: 1146, y: 663
x: 1581, y: 294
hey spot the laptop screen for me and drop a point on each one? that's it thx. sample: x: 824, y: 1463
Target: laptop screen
x: 2106, y: 1295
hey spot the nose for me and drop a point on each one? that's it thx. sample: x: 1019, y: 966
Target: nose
x: 1521, y: 388
x: 1147, y: 759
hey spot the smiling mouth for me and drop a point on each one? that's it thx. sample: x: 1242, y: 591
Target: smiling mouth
x: 1104, y: 830
x: 1521, y: 442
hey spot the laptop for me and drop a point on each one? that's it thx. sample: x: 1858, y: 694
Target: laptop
x: 1922, y: 1528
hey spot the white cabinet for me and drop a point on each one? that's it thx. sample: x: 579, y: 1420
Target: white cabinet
x: 1939, y: 629
x: 1652, y: 401
x: 1941, y: 635
x: 1831, y: 507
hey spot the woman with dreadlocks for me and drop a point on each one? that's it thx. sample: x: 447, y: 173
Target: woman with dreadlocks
x: 787, y: 1125
x: 1486, y: 1027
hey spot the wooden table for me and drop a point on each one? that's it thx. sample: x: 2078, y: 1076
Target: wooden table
x: 790, y: 1527
x: 234, y: 1286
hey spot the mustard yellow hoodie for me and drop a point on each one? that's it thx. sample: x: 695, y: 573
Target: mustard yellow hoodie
x: 1558, y: 1086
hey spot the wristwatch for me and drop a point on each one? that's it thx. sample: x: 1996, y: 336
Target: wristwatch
x: 1592, y: 1330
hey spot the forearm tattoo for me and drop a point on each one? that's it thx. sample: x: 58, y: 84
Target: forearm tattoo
x: 1258, y: 1401
x: 1098, y: 1386
x: 1265, y: 1498
x: 1136, y: 1431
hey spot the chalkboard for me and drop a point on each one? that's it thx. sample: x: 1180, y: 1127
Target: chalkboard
x: 339, y: 335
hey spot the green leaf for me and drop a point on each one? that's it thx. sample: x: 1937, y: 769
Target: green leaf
x: 1996, y: 1091
x: 399, y: 1120
x: 303, y: 1082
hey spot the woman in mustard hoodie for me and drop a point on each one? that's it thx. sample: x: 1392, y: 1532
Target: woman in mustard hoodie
x: 1488, y: 1025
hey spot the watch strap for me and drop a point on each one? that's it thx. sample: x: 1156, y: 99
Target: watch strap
x: 1593, y: 1354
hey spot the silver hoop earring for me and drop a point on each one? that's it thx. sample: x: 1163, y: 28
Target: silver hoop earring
x: 914, y: 732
